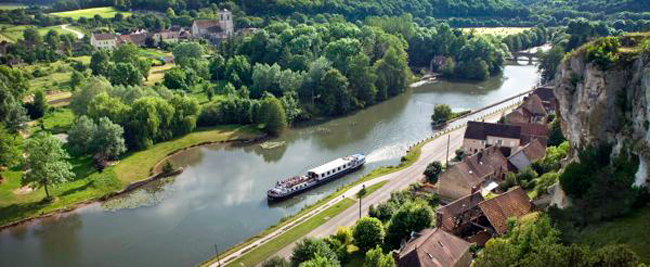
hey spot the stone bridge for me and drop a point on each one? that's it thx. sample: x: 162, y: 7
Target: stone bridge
x: 532, y: 57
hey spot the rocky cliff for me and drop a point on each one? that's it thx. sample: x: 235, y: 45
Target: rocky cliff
x: 607, y: 104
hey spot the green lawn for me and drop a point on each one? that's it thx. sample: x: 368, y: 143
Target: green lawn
x: 11, y: 33
x: 631, y: 230
x: 59, y: 120
x: 263, y: 252
x: 104, y: 12
x: 139, y: 165
x: 57, y: 74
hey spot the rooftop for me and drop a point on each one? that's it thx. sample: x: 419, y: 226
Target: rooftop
x: 450, y: 211
x: 433, y: 247
x: 481, y: 130
x: 104, y: 36
x: 513, y: 203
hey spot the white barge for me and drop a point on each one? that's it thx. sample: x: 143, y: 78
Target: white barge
x: 316, y: 176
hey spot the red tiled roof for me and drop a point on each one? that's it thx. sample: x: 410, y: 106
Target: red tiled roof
x: 469, y: 174
x: 433, y: 248
x: 513, y: 203
x: 534, y: 105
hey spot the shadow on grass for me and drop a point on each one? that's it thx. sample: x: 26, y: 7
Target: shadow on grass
x: 78, y: 189
x: 22, y: 210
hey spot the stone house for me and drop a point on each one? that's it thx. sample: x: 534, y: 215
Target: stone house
x: 479, y: 135
x: 104, y: 41
x: 434, y: 248
x: 512, y: 204
x: 533, y: 131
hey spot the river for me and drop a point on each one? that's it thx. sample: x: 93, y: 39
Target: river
x: 220, y: 197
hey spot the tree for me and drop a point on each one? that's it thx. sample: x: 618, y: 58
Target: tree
x: 32, y: 37
x: 376, y: 258
x: 441, y: 114
x: 81, y: 134
x: 392, y: 72
x: 38, y: 107
x: 175, y: 78
x: 555, y: 137
x: 273, y: 116
x: 52, y: 39
x: 187, y: 50
x: 9, y: 149
x: 411, y: 217
x: 16, y: 120
x: 108, y: 141
x: 368, y: 233
x: 99, y: 63
x: 276, y: 261
x: 150, y: 121
x: 76, y: 79
x: 362, y: 80
x: 308, y: 249
x: 46, y: 163
x: 614, y: 255
x: 334, y: 93
x: 125, y: 74
x: 320, y: 261
x: 549, y: 61
x: 432, y: 172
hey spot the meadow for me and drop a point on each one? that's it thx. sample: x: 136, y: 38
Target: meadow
x: 104, y: 12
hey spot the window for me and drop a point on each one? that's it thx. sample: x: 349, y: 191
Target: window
x: 499, y: 142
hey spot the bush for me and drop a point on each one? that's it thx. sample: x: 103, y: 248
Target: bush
x: 308, y: 248
x: 432, y: 172
x: 411, y: 217
x: 368, y: 233
x: 168, y: 167
x: 604, y: 52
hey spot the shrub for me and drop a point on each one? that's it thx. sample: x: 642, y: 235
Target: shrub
x: 604, y: 52
x: 368, y: 233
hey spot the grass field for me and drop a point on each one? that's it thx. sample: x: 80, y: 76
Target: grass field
x: 57, y: 74
x: 11, y: 33
x: 104, y: 12
x: 12, y: 6
x: 499, y: 31
x: 631, y: 230
x: 157, y: 73
x: 138, y: 165
x: 59, y: 120
x: 264, y: 251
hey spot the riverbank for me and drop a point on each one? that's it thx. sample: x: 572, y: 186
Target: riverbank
x: 19, y: 205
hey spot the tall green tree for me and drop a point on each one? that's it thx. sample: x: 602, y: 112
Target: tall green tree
x: 9, y: 149
x: 376, y: 258
x: 308, y: 249
x: 334, y: 93
x: 108, y: 140
x: 392, y: 73
x: 187, y: 50
x: 46, y: 163
x: 99, y: 63
x: 273, y: 116
x: 80, y: 135
x: 362, y: 80
x: 125, y: 74
x: 17, y: 119
x: 411, y: 217
x: 441, y: 114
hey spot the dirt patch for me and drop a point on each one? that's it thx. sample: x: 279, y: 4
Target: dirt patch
x: 23, y: 190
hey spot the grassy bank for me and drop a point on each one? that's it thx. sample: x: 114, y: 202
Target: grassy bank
x: 407, y: 160
x: 17, y: 203
x: 139, y: 165
x: 104, y: 12
x: 267, y: 250
x: 630, y: 230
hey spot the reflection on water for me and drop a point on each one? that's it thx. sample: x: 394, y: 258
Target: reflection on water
x: 220, y: 197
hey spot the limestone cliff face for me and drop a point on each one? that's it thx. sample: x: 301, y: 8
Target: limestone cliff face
x: 611, y: 105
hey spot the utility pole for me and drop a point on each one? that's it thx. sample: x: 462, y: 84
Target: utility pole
x: 360, y: 195
x: 216, y: 250
x: 447, y: 158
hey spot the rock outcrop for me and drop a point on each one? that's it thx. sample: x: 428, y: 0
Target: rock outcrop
x: 607, y: 105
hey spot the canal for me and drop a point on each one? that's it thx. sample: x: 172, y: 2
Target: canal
x: 220, y: 197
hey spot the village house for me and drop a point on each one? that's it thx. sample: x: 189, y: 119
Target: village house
x: 479, y: 135
x: 216, y: 29
x: 479, y: 172
x: 533, y: 131
x: 138, y: 39
x: 525, y: 156
x: 434, y: 248
x: 531, y: 111
x: 512, y: 204
x: 548, y: 98
x: 104, y: 41
x: 455, y: 216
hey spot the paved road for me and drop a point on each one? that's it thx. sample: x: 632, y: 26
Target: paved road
x: 434, y: 150
x: 79, y: 34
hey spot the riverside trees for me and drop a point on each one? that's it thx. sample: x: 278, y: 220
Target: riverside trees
x: 45, y: 163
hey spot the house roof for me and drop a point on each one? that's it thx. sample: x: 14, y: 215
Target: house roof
x: 513, y: 203
x: 212, y: 25
x: 447, y: 213
x: 472, y: 171
x: 533, y: 129
x: 433, y: 247
x: 534, y: 105
x: 534, y: 150
x: 481, y: 130
x: 136, y: 38
x: 545, y: 94
x: 104, y: 36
